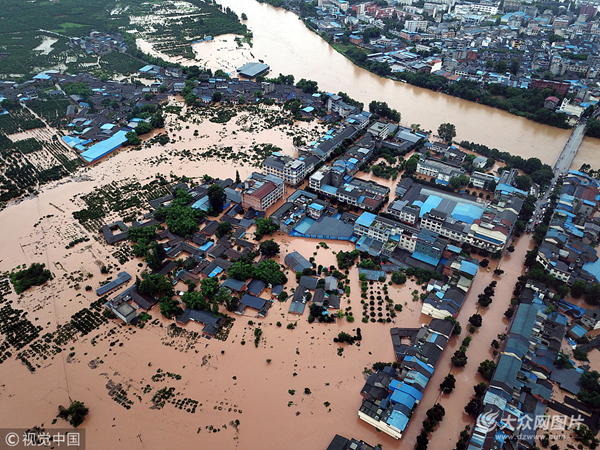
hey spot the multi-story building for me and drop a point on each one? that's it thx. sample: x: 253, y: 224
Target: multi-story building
x: 291, y: 170
x: 416, y: 25
x: 260, y: 191
x: 404, y: 212
x: 442, y: 172
x: 333, y: 181
x: 482, y: 180
x: 443, y: 224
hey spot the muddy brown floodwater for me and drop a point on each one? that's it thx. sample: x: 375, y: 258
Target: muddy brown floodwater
x: 230, y: 381
x: 283, y: 42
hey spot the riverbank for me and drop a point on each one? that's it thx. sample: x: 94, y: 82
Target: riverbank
x: 527, y: 103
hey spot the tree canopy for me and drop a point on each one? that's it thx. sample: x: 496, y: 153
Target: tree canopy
x: 217, y: 197
x: 267, y: 270
x: 447, y: 131
x: 382, y: 109
x: 269, y: 248
x: 181, y: 219
x: 264, y: 225
x: 155, y: 285
x: 35, y: 275
x: 75, y: 413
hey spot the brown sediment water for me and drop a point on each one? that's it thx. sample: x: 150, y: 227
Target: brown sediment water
x: 283, y: 42
x: 479, y: 349
x: 588, y: 153
x: 240, y: 378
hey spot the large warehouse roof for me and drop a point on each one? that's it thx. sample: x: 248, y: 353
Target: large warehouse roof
x: 103, y: 148
x: 252, y: 69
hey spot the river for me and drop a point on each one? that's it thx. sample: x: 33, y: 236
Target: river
x: 284, y: 42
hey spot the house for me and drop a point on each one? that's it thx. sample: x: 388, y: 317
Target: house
x: 480, y: 162
x: 298, y: 302
x: 122, y: 277
x: 234, y: 285
x: 255, y: 287
x: 121, y: 308
x: 254, y: 302
x: 211, y: 322
x: 307, y: 282
x: 297, y: 262
x: 291, y: 170
x: 341, y: 443
x: 260, y: 192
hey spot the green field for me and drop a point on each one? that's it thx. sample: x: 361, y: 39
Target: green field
x: 24, y: 24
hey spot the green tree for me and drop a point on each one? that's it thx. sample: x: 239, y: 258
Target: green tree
x: 75, y: 413
x: 523, y: 182
x: 476, y: 320
x: 181, y: 218
x: 169, y: 307
x: 264, y: 225
x: 307, y: 86
x: 447, y: 132
x: 473, y: 407
x: 448, y: 384
x: 458, y: 182
x: 209, y: 287
x: 143, y: 128
x: 515, y: 65
x: 501, y: 66
x: 398, y: 278
x: 580, y: 355
x: 486, y: 369
x: 132, y: 138
x: 217, y: 197
x: 578, y: 289
x: 238, y: 180
x: 155, y: 256
x: 480, y: 389
x: 34, y: 275
x: 156, y: 286
x: 592, y: 296
x: 459, y: 358
x: 216, y: 96
x: 195, y: 300
x: 223, y: 229
x: 269, y: 248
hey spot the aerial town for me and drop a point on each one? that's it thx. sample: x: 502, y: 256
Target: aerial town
x: 496, y: 46
x: 184, y: 243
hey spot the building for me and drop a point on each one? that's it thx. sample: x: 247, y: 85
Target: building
x: 416, y: 25
x: 341, y: 443
x: 391, y: 395
x: 291, y: 170
x: 380, y: 129
x: 260, y: 191
x: 441, y: 171
x: 482, y: 180
x: 252, y: 70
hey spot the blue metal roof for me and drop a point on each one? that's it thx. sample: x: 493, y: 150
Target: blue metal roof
x: 105, y: 147
x: 366, y: 219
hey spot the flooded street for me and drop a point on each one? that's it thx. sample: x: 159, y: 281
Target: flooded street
x: 294, y: 389
x: 494, y: 323
x: 229, y: 381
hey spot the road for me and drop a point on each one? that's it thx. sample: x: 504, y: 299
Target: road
x: 561, y: 167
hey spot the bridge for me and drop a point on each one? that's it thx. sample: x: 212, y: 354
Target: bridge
x: 561, y: 167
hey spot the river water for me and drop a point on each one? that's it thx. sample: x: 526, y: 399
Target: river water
x: 289, y: 47
x: 284, y: 42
